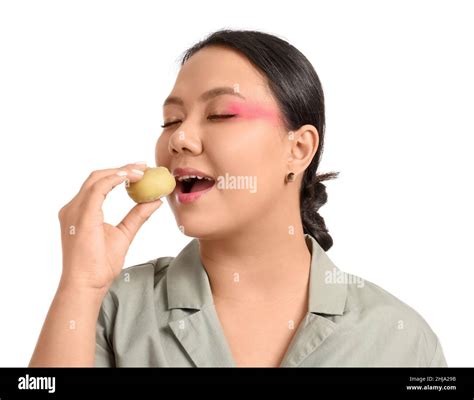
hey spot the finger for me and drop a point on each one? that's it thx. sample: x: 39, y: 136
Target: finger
x: 96, y: 194
x: 137, y: 217
x: 101, y: 173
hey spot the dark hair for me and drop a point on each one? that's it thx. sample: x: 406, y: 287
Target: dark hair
x: 298, y: 91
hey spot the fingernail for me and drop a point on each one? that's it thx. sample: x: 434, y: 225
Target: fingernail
x: 122, y: 173
x: 140, y: 162
x: 137, y: 171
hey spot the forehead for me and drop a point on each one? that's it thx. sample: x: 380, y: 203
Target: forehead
x: 218, y: 66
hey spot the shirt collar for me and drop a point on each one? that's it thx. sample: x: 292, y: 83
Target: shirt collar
x: 188, y: 283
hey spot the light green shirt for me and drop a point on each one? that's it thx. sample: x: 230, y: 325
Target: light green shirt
x: 161, y: 314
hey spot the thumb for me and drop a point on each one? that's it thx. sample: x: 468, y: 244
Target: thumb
x: 137, y: 217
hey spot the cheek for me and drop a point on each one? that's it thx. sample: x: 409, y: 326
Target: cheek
x: 244, y: 148
x: 255, y: 156
x: 162, y: 156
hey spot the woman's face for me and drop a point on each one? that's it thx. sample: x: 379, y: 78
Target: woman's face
x: 246, y: 154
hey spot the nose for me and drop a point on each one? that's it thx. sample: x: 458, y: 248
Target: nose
x: 182, y: 141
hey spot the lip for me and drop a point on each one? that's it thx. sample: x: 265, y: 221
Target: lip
x: 185, y: 198
x: 190, y: 171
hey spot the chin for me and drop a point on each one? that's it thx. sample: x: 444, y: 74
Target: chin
x: 203, y: 228
x: 194, y: 223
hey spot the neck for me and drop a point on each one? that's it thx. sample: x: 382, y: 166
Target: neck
x: 267, y: 263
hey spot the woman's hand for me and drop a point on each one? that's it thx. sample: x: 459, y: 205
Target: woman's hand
x: 94, y: 251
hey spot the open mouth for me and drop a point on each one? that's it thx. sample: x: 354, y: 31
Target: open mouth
x: 194, y: 184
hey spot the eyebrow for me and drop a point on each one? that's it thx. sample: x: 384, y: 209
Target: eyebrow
x: 206, y: 96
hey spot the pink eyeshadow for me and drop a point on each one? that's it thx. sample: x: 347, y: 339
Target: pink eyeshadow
x: 253, y: 111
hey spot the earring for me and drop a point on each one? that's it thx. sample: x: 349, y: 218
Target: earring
x: 290, y: 177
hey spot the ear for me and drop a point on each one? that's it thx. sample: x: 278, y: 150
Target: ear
x: 303, y: 145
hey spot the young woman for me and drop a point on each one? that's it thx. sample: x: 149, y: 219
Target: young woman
x: 243, y: 134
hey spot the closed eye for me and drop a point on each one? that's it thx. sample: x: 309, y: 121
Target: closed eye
x: 221, y: 116
x: 166, y: 124
x: 211, y: 117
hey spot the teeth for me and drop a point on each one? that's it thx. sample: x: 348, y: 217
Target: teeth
x: 187, y: 177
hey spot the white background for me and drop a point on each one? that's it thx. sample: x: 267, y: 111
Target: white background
x: 81, y: 88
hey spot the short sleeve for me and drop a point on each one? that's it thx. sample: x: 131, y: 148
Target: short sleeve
x: 104, y: 354
x: 438, y: 359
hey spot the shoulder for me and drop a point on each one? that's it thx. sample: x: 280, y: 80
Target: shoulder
x: 390, y: 321
x: 367, y: 298
x: 128, y: 310
x: 135, y: 286
x: 141, y: 275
